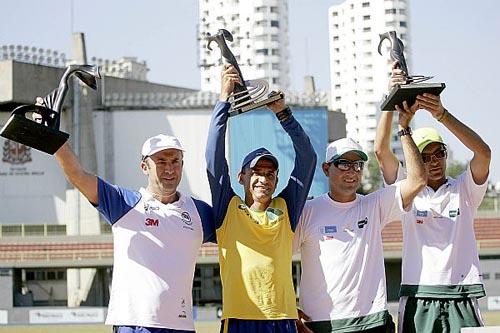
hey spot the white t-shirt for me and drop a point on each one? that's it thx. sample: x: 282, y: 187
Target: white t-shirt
x: 342, y: 255
x: 155, y: 250
x: 438, y: 234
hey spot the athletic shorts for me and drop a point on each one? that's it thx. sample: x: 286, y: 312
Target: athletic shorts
x: 258, y: 326
x: 140, y: 329
x: 437, y: 315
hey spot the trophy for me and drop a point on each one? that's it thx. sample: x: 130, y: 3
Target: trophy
x: 43, y: 133
x: 252, y: 93
x: 405, y: 92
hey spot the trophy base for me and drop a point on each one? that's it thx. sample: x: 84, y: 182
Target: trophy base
x: 32, y: 134
x: 255, y: 105
x: 408, y: 93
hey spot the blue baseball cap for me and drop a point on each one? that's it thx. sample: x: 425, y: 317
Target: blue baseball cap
x: 254, y: 156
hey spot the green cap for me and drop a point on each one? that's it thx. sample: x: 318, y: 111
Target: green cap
x: 425, y: 136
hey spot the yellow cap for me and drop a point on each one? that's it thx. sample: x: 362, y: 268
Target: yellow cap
x: 425, y: 136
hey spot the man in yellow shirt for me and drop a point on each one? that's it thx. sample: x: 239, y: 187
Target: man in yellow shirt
x: 255, y: 234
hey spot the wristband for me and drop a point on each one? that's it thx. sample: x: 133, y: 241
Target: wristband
x: 443, y: 115
x: 284, y: 114
x: 405, y: 131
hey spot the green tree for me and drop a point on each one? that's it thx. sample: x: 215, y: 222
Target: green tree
x: 455, y: 168
x: 372, y: 177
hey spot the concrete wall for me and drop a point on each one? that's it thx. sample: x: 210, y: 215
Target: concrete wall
x: 121, y: 133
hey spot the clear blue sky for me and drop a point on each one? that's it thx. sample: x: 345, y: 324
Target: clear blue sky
x: 456, y: 41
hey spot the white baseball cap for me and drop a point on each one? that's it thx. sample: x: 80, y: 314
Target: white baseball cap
x: 341, y: 146
x: 160, y: 142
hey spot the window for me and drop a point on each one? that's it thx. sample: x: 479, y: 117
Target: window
x: 338, y: 98
x: 262, y: 51
x: 402, y: 24
x: 275, y: 23
x: 402, y: 11
x: 486, y: 276
x: 33, y: 230
x: 390, y: 11
x: 335, y: 38
x: 367, y: 29
x: 276, y: 80
x: 11, y: 230
x: 497, y: 276
x: 275, y: 52
x: 365, y: 4
x: 275, y: 66
x: 275, y: 9
x: 335, y: 14
x: 366, y: 17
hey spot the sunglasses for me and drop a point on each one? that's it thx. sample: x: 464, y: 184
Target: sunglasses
x: 345, y: 165
x: 439, y: 155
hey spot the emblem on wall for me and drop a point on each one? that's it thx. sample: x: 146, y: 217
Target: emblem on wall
x: 16, y: 153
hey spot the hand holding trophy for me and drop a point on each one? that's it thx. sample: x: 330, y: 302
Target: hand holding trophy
x: 250, y: 94
x: 405, y: 92
x: 43, y: 134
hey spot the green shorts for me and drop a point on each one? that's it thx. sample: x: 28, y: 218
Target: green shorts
x: 437, y: 315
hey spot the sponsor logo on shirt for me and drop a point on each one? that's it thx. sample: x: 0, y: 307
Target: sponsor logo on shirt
x: 420, y: 221
x: 454, y: 212
x: 183, y: 313
x: 149, y: 207
x: 328, y: 231
x: 186, y: 218
x: 422, y: 213
x: 362, y: 223
x: 151, y: 222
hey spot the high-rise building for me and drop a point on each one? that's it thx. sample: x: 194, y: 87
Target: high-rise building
x: 260, y: 31
x: 359, y: 75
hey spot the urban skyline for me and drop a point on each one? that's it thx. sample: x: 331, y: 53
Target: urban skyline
x: 448, y: 42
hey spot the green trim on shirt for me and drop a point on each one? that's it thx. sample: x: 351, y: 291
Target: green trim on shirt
x: 443, y: 291
x: 350, y: 324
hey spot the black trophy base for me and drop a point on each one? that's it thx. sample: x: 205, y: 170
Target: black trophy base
x: 255, y: 105
x: 408, y: 93
x: 29, y: 133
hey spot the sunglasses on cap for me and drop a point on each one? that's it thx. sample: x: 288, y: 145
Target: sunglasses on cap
x: 439, y: 155
x: 345, y: 165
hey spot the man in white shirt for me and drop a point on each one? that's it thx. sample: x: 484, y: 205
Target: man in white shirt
x: 441, y: 277
x: 157, y: 232
x: 343, y: 287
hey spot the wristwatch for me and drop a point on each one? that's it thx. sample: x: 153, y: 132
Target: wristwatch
x: 404, y: 131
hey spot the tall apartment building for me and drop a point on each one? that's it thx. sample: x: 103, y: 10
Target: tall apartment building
x: 359, y: 75
x: 260, y: 31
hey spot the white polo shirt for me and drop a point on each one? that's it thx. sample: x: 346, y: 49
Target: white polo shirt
x: 440, y: 248
x: 342, y: 255
x: 155, y: 249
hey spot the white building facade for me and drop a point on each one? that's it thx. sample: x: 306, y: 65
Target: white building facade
x: 359, y: 75
x: 260, y: 31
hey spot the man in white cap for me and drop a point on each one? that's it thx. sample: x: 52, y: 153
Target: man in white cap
x: 255, y: 233
x: 157, y: 232
x: 441, y: 276
x: 343, y: 287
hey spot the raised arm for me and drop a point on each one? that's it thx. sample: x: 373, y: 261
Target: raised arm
x: 85, y: 182
x: 297, y: 189
x: 387, y: 161
x: 416, y: 179
x: 480, y: 163
x: 215, y: 154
